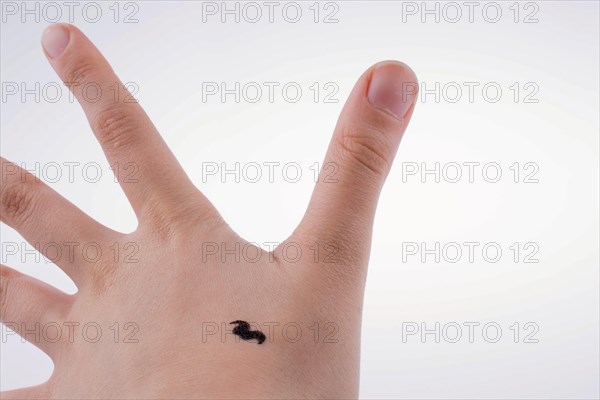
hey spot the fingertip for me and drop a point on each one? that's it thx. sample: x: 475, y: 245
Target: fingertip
x: 393, y: 88
x: 7, y: 272
x: 55, y: 39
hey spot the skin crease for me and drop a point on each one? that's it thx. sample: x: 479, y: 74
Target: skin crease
x: 172, y: 289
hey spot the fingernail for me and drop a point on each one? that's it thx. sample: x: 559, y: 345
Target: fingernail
x: 393, y: 88
x: 55, y: 40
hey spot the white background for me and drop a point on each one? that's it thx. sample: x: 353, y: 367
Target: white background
x: 170, y: 52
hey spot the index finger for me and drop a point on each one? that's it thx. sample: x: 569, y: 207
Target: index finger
x: 129, y: 139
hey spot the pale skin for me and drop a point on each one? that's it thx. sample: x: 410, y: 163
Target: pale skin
x: 175, y: 295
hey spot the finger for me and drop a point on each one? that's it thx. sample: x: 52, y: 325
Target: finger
x: 146, y: 169
x: 33, y: 309
x: 48, y: 221
x: 362, y: 149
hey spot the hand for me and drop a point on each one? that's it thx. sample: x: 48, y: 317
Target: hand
x: 179, y: 298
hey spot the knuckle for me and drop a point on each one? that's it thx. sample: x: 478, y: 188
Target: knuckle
x: 336, y: 250
x: 103, y: 275
x: 114, y: 127
x: 101, y: 263
x: 17, y: 202
x: 5, y: 286
x: 366, y: 148
x: 80, y: 74
x: 175, y: 221
x: 336, y: 258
